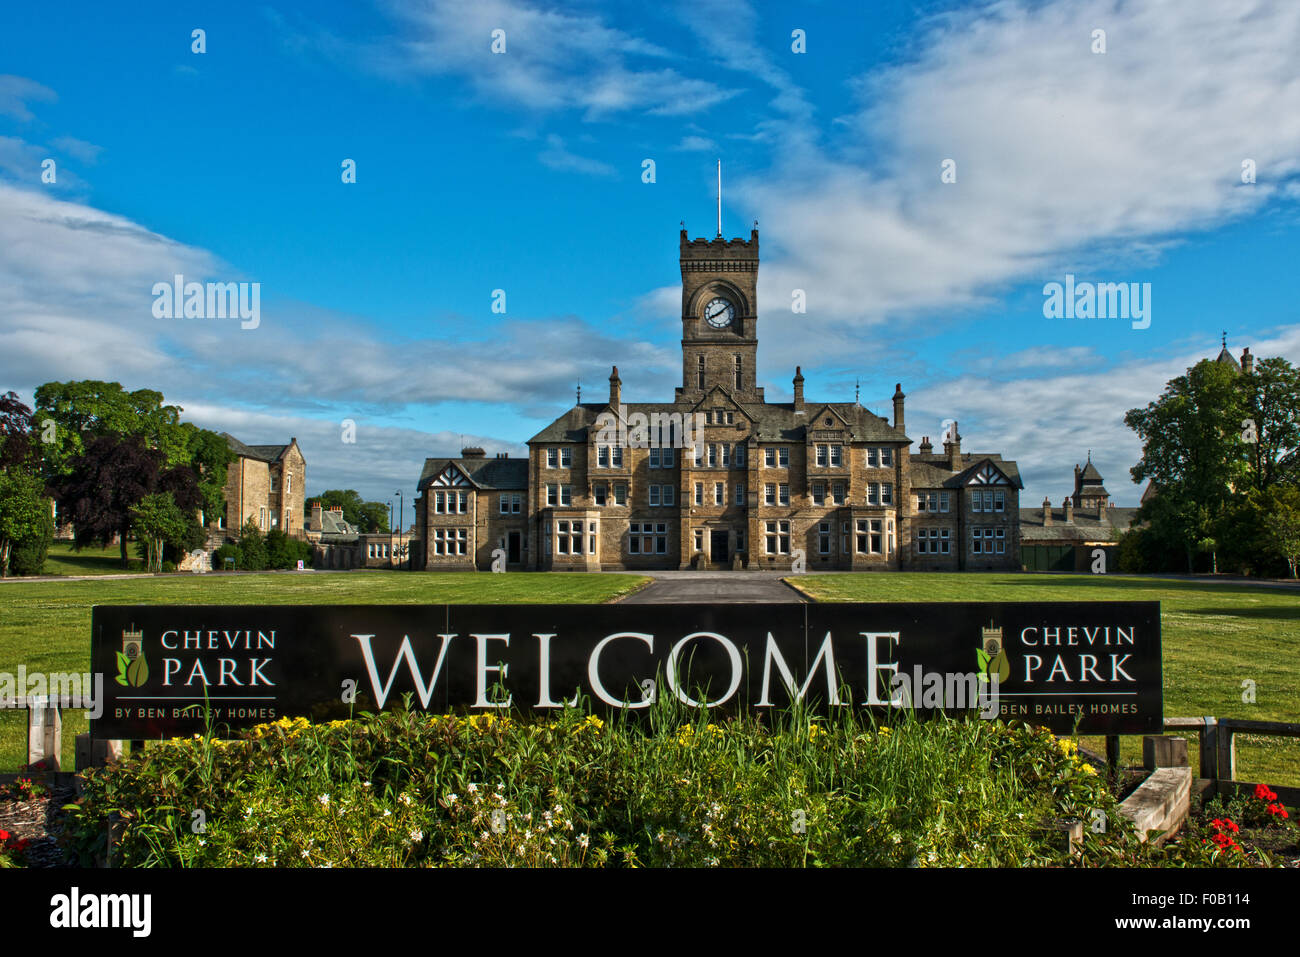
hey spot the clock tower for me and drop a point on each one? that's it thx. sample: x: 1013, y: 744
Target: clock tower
x: 719, y: 317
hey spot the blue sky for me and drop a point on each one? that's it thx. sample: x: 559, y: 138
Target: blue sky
x: 522, y: 171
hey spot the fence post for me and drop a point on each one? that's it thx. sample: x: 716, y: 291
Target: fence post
x: 1210, y: 749
x: 44, y: 732
x: 1112, y: 755
x: 1227, y: 753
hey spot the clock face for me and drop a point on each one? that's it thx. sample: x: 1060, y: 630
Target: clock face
x: 719, y: 313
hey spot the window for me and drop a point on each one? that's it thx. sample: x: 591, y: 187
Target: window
x: 778, y: 538
x: 819, y: 493
x: 886, y: 493
x: 740, y: 495
x: 566, y: 458
x: 739, y: 376
x: 275, y: 482
x: 667, y: 458
x: 552, y: 495
x: 873, y: 493
x: 654, y: 459
x: 923, y: 541
x: 568, y: 537
x: 617, y: 456
x: 999, y: 501
x: 653, y: 491
x: 591, y: 538
x: 837, y: 493
x: 288, y: 485
x: 450, y: 541
x: 699, y: 493
x: 661, y: 538
x: 837, y: 456
x: 977, y: 501
x: 783, y: 457
x: 870, y: 537
x: 824, y: 538
x: 769, y: 458
x: 699, y: 454
x: 943, y: 540
x: 769, y: 494
x: 552, y: 458
x: 785, y: 493
x: 731, y: 418
x: 982, y: 540
x: 738, y: 457
x: 602, y: 456
x: 726, y: 455
x: 943, y: 501
x: 844, y: 538
x: 887, y: 458
x: 713, y: 455
x: 821, y: 455
x: 462, y: 501
x: 370, y: 551
x: 505, y: 504
x: 620, y: 493
x: 873, y: 458
x: 862, y: 535
x: 261, y: 517
x: 719, y: 494
x: 699, y: 372
x: 566, y: 495
x: 598, y: 493
x: 1001, y: 540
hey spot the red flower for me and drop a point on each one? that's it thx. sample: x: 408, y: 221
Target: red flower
x: 1217, y: 823
x: 1278, y: 810
x: 1232, y: 826
x: 1222, y: 840
x: 4, y: 835
x: 1264, y: 793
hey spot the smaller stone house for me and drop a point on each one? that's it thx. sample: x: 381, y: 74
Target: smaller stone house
x: 264, y: 483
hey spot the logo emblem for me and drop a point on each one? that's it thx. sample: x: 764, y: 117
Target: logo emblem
x: 992, y: 657
x: 132, y: 668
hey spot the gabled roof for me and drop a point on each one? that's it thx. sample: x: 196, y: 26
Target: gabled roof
x: 1083, y: 527
x: 1226, y: 357
x: 484, y: 474
x: 262, y: 453
x: 934, y: 467
x: 1090, y: 473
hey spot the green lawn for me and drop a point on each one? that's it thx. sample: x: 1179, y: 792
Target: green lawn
x: 64, y: 560
x: 1215, y: 637
x: 45, y: 625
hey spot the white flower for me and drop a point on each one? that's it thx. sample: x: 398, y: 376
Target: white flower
x: 248, y: 812
x: 583, y: 840
x: 365, y: 784
x: 324, y: 800
x: 416, y: 835
x: 472, y: 788
x: 451, y: 799
x: 305, y: 853
x: 327, y: 864
x: 483, y: 836
x: 261, y: 858
x: 501, y: 786
x: 387, y: 813
x: 202, y: 843
x: 404, y: 798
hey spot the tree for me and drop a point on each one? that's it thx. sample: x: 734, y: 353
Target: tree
x: 24, y: 511
x: 109, y: 479
x: 1283, y: 526
x: 1273, y: 408
x: 208, y: 454
x: 252, y: 547
x: 367, y: 516
x: 87, y: 409
x: 16, y: 447
x: 1193, y: 451
x: 159, y: 521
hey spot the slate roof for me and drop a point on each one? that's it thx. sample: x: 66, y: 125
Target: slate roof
x: 484, y: 473
x: 263, y: 453
x: 1090, y: 474
x: 772, y: 421
x: 1084, y: 527
x: 934, y: 467
x: 1226, y: 356
x: 335, y: 529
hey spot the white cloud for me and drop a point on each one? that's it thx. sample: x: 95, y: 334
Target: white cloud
x: 692, y: 144
x: 16, y: 91
x: 558, y: 157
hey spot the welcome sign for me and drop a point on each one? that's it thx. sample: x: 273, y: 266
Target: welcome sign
x: 1055, y: 664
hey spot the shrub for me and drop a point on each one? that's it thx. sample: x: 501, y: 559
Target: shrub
x: 252, y: 547
x: 285, y: 552
x: 220, y: 555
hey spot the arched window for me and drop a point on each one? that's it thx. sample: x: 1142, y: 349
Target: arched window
x: 699, y: 365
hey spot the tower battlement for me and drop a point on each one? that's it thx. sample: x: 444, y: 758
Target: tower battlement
x: 697, y: 252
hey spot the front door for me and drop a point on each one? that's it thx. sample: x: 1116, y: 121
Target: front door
x: 718, y: 547
x: 512, y: 548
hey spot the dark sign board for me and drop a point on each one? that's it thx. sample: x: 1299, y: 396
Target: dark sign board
x: 1049, y: 663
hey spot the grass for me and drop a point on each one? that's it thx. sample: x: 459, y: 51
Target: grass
x: 63, y: 559
x: 1215, y: 637
x: 45, y: 625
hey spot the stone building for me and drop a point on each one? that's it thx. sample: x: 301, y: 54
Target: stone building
x: 264, y: 483
x: 719, y: 477
x: 1066, y: 539
x: 340, y: 544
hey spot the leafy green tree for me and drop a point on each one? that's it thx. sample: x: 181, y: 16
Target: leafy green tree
x: 252, y: 548
x: 208, y: 454
x: 283, y: 551
x: 158, y: 521
x: 367, y: 516
x: 1283, y: 525
x: 84, y: 410
x: 1273, y: 413
x: 24, y: 511
x: 1193, y: 452
x: 375, y: 517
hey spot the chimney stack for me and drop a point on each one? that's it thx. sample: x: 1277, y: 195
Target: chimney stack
x: 952, y: 448
x: 1069, y: 511
x: 898, y: 405
x: 1247, y: 361
x: 615, y: 390
x: 1101, y: 511
x: 798, y: 391
x: 926, y: 447
x: 317, y: 516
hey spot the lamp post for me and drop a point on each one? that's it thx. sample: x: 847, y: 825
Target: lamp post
x: 401, y: 512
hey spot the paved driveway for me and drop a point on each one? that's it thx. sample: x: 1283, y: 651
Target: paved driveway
x: 721, y: 586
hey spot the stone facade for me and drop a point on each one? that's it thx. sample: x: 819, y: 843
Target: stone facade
x: 718, y: 476
x: 1066, y: 538
x: 339, y: 544
x: 264, y: 483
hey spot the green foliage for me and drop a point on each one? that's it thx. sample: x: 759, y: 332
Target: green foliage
x: 367, y: 516
x: 220, y: 555
x: 208, y: 454
x: 282, y: 551
x: 24, y: 512
x: 90, y: 408
x: 252, y: 548
x: 27, y: 556
x: 158, y: 521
